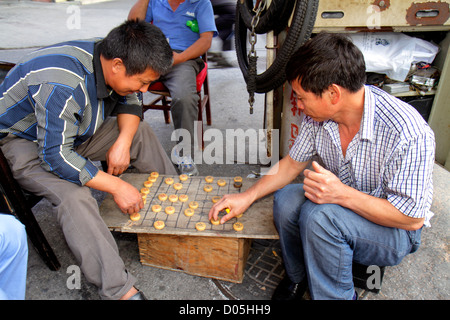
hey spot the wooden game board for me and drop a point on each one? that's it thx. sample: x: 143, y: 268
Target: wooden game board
x: 257, y: 220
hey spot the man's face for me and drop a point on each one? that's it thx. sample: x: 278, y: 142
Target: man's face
x: 316, y: 107
x: 124, y: 84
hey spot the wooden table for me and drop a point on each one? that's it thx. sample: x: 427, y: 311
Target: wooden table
x: 219, y: 251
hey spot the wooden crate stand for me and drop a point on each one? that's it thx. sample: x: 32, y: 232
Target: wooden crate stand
x: 219, y: 258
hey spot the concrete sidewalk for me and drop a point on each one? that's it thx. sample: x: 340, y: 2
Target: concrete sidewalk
x: 25, y: 25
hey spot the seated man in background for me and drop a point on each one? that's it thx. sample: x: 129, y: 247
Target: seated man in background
x: 370, y: 195
x: 64, y: 106
x: 187, y: 45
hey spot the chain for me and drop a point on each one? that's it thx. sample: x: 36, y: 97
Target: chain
x: 252, y: 57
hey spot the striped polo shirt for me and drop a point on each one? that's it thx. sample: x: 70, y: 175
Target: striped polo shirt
x: 57, y: 96
x: 391, y: 157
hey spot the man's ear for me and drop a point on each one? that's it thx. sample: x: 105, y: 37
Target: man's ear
x: 117, y: 65
x: 335, y: 93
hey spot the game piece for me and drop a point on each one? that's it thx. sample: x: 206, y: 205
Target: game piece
x: 170, y: 210
x: 154, y: 174
x: 238, y: 226
x: 145, y: 190
x: 177, y: 186
x: 189, y: 212
x: 183, y: 177
x: 173, y: 198
x: 209, y: 179
x: 169, y: 180
x: 215, y: 222
x: 183, y: 197
x: 162, y: 197
x: 148, y: 184
x: 200, y: 226
x: 135, y: 217
x: 193, y: 204
x: 156, y: 208
x: 221, y: 182
x: 159, y: 225
x: 208, y: 188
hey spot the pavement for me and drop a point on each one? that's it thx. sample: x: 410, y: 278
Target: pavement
x: 26, y: 25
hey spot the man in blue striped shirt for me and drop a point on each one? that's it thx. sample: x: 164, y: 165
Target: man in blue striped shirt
x: 370, y: 195
x: 64, y: 106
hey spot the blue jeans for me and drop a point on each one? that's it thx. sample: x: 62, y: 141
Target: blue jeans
x: 13, y: 258
x: 322, y: 241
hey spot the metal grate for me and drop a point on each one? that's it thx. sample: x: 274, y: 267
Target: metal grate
x: 264, y: 263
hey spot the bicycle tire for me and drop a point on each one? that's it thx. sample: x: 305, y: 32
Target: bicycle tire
x: 299, y: 31
x: 275, y: 18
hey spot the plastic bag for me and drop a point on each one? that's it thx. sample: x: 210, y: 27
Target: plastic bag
x: 393, y: 53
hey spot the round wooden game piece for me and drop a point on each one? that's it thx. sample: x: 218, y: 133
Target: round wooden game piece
x: 159, y: 225
x: 238, y: 226
x: 237, y: 184
x: 209, y: 179
x: 200, y: 226
x: 193, y: 204
x: 170, y: 210
x: 168, y: 180
x: 156, y: 208
x: 145, y: 190
x: 215, y: 222
x: 208, y: 188
x: 162, y: 197
x: 173, y: 198
x: 148, y: 184
x: 189, y: 212
x: 154, y: 174
x: 221, y: 182
x: 215, y: 199
x: 183, y: 197
x: 237, y: 179
x: 135, y: 217
x: 144, y: 196
x: 183, y: 177
x: 152, y: 179
x: 177, y: 186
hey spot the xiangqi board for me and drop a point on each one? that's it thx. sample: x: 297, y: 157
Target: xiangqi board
x: 256, y: 222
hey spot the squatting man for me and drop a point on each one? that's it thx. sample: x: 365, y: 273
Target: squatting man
x: 368, y: 192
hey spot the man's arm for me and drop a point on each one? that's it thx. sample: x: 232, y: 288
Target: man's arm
x: 322, y: 186
x: 139, y: 10
x: 118, y: 156
x: 198, y: 48
x: 125, y: 195
x: 280, y: 175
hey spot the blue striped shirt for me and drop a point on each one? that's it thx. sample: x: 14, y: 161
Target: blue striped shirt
x: 391, y: 157
x: 57, y: 96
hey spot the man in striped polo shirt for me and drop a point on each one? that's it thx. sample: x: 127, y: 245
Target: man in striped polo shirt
x: 370, y: 195
x: 64, y: 106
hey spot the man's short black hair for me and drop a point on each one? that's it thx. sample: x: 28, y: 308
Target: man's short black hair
x: 327, y: 59
x: 140, y: 45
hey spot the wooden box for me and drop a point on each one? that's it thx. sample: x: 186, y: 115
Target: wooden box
x: 219, y: 258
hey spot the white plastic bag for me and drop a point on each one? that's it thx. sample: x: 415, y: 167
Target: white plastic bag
x: 392, y: 53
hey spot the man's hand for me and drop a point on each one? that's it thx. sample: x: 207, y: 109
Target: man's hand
x: 237, y: 203
x: 118, y: 158
x: 128, y: 198
x: 321, y: 186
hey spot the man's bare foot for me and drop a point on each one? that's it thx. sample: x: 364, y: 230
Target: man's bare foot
x: 129, y: 294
